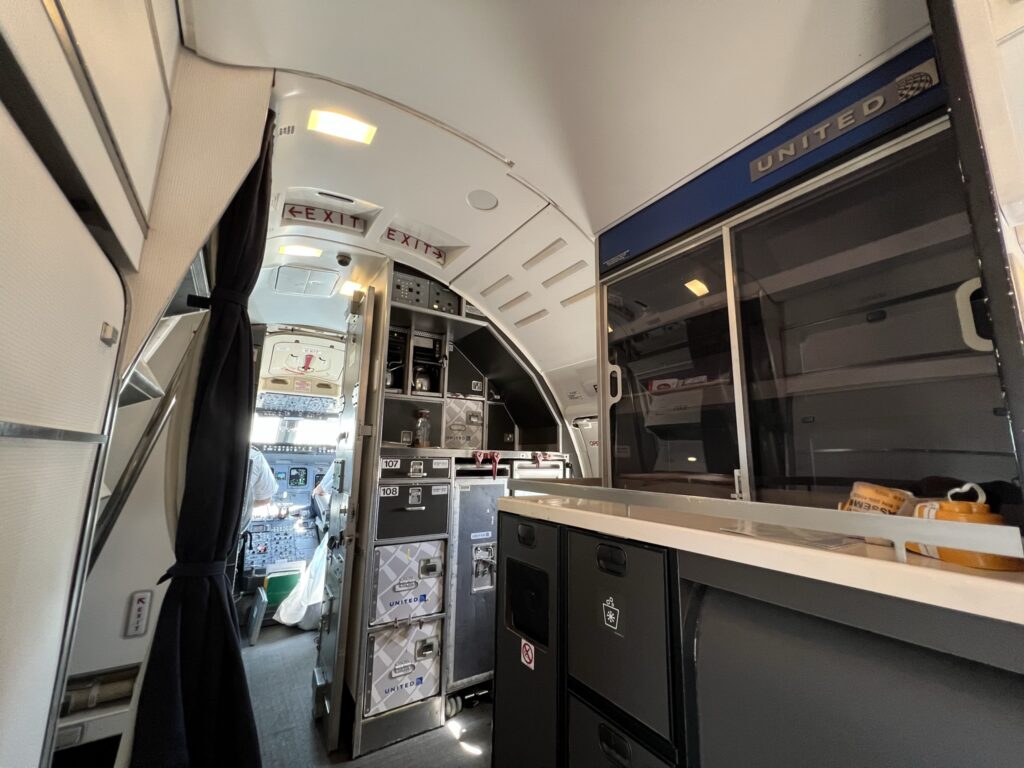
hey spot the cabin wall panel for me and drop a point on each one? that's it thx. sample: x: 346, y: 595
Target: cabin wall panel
x: 46, y: 486
x: 28, y: 31
x: 212, y: 141
x: 165, y: 19
x: 121, y: 55
x: 57, y: 291
x: 993, y: 42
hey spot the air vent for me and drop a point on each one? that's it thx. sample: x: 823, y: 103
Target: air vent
x: 496, y: 285
x: 512, y: 302
x: 286, y: 130
x: 279, y: 381
x: 532, y: 318
x: 577, y: 297
x: 570, y: 270
x: 321, y: 385
x: 336, y: 197
x: 553, y: 248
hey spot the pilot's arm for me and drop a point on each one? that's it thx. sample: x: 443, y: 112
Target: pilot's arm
x: 264, y: 485
x: 326, y: 485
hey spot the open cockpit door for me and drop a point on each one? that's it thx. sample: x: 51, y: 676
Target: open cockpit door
x: 329, y: 672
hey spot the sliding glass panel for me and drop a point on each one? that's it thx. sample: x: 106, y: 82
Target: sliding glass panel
x: 866, y: 338
x: 674, y: 429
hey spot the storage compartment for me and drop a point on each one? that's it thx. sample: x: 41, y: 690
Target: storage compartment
x: 595, y: 741
x: 408, y: 581
x: 395, y: 467
x: 528, y: 680
x: 464, y: 424
x: 501, y: 430
x: 403, y: 665
x: 464, y: 380
x: 427, y: 365
x: 400, y: 415
x: 474, y: 580
x: 618, y: 639
x: 396, y: 366
x: 407, y: 511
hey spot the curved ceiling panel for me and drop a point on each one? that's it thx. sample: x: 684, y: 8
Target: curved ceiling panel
x: 601, y: 105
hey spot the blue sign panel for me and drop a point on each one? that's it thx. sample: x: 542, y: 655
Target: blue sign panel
x: 896, y: 93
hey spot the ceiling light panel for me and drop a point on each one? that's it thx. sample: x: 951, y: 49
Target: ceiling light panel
x: 697, y: 287
x: 300, y: 250
x: 341, y: 126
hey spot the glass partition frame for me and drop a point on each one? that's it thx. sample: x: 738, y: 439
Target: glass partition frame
x: 610, y: 392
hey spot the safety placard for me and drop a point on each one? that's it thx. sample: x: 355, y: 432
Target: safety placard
x: 526, y: 654
x: 137, y: 620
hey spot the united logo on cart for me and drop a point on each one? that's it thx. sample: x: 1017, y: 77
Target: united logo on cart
x: 611, y: 614
x: 526, y: 654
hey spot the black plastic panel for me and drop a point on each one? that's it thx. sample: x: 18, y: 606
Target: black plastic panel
x: 412, y: 510
x: 618, y: 642
x: 594, y: 741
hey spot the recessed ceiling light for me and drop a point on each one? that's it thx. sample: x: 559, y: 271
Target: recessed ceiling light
x: 691, y: 458
x: 342, y: 126
x: 482, y: 200
x: 348, y: 288
x: 300, y: 250
x: 697, y: 287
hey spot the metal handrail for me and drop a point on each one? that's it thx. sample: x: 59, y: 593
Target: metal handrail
x: 136, y: 463
x: 990, y: 539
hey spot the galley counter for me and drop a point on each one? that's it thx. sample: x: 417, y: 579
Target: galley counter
x: 637, y: 636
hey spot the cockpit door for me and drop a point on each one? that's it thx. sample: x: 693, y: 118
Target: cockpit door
x: 329, y: 672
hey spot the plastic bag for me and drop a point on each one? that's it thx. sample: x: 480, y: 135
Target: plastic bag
x: 303, y: 605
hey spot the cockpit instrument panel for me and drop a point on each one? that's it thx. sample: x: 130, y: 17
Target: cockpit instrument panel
x: 297, y: 477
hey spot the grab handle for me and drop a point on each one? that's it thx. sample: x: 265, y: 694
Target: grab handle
x: 611, y: 559
x: 968, y: 328
x: 616, y: 375
x: 614, y: 746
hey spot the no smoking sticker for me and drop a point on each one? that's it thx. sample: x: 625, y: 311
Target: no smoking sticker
x: 526, y: 654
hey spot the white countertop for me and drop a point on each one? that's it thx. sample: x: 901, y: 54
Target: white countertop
x: 992, y: 594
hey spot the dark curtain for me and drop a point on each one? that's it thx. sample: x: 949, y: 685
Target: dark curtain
x: 194, y: 708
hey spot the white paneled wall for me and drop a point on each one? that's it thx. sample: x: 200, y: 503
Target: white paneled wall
x: 30, y: 34
x: 119, y: 51
x: 57, y: 290
x: 993, y: 35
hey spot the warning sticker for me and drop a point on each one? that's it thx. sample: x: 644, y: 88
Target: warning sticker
x: 439, y: 490
x: 440, y: 464
x: 526, y: 654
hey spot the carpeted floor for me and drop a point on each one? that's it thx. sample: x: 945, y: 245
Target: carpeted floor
x: 280, y: 670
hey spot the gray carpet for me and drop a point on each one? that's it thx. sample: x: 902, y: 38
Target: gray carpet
x: 280, y: 670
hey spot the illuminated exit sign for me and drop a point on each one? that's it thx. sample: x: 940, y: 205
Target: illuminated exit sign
x: 413, y: 244
x: 311, y: 214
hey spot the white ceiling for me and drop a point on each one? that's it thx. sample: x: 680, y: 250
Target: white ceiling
x: 572, y: 113
x: 601, y: 104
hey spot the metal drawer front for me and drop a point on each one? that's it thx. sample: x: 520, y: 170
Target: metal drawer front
x: 618, y: 626
x: 405, y: 511
x: 408, y: 581
x: 409, y: 467
x: 403, y: 665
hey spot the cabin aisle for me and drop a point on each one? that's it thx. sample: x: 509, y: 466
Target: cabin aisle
x: 279, y: 669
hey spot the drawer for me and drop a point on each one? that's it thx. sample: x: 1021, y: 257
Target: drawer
x: 405, y: 511
x: 618, y: 638
x: 408, y: 581
x: 403, y: 665
x: 593, y: 741
x: 414, y: 467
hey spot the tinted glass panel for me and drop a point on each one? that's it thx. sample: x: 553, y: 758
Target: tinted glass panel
x: 864, y: 330
x: 674, y: 429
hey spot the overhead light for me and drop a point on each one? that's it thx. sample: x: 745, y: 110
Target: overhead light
x: 610, y: 329
x: 300, y: 250
x: 697, y: 287
x: 691, y: 458
x: 342, y: 126
x: 348, y: 288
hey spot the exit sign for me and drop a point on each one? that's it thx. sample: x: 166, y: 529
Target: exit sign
x: 311, y: 214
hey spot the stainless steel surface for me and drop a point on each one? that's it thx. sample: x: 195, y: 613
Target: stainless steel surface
x: 142, y: 385
x: 36, y: 432
x: 388, y: 449
x: 992, y: 539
